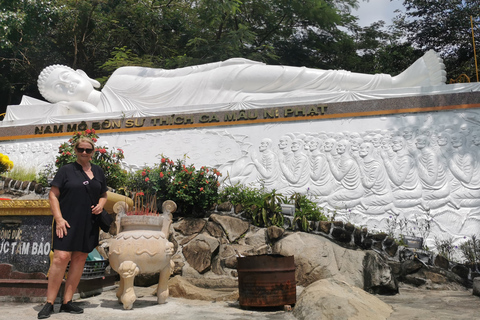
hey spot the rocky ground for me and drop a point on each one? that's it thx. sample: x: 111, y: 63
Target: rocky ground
x: 411, y: 303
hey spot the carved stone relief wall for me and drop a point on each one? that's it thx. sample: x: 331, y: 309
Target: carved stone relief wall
x: 423, y: 167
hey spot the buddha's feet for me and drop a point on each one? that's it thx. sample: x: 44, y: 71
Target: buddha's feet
x: 427, y: 71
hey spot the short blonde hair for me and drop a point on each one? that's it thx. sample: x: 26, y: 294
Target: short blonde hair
x: 84, y: 139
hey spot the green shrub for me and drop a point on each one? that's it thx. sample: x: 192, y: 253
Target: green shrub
x: 194, y: 190
x: 306, y: 210
x: 22, y: 174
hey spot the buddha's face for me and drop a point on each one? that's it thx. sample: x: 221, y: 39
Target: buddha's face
x: 421, y: 142
x: 263, y: 145
x: 397, y: 144
x: 341, y: 148
x: 457, y: 140
x: 296, y: 145
x: 68, y: 85
x: 282, y: 143
x: 328, y: 146
x: 312, y: 145
x: 364, y: 150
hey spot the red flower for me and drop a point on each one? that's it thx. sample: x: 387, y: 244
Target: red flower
x: 201, y: 189
x: 218, y: 173
x: 140, y: 193
x: 147, y: 179
x: 93, y: 131
x: 68, y: 153
x: 161, y: 174
x: 163, y: 160
x: 201, y: 173
x: 206, y: 181
x: 88, y: 131
x: 144, y: 173
x: 94, y: 140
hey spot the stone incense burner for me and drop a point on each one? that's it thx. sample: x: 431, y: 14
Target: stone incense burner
x: 141, y: 247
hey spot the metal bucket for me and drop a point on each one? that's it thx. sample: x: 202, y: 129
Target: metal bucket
x: 266, y: 281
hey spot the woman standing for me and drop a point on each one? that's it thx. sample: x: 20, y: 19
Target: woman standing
x: 74, y: 188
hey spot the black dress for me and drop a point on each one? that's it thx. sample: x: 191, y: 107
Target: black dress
x: 75, y: 205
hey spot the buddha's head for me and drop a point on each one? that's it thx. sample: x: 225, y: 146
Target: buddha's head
x: 61, y: 83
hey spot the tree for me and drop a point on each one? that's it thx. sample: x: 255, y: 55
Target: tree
x: 444, y: 26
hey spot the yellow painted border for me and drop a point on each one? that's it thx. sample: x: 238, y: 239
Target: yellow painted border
x: 25, y: 208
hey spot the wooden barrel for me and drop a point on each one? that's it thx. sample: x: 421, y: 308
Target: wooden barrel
x: 266, y: 281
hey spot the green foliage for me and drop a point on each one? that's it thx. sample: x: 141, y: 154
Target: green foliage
x: 445, y: 26
x: 445, y: 247
x: 266, y: 211
x: 240, y: 194
x: 193, y: 190
x: 109, y: 161
x: 22, y: 173
x: 5, y: 163
x: 305, y: 210
x: 46, y: 174
x: 471, y: 250
x: 259, y: 205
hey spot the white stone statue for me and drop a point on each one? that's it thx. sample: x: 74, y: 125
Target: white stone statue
x: 233, y: 80
x: 378, y: 194
x: 266, y: 163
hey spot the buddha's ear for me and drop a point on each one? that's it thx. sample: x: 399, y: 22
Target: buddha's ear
x: 94, y: 82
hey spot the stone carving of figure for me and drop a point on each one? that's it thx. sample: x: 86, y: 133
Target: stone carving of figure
x: 345, y: 171
x: 378, y: 196
x: 433, y: 175
x: 465, y: 169
x: 322, y: 181
x: 233, y: 80
x: 406, y: 187
x: 408, y: 133
x: 296, y: 170
x: 266, y: 164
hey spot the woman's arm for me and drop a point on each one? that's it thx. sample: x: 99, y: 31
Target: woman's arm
x: 61, y: 224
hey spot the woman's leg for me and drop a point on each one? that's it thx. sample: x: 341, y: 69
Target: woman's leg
x: 56, y: 273
x: 75, y: 271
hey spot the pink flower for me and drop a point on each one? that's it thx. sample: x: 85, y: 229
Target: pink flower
x: 147, y: 179
x: 68, y: 153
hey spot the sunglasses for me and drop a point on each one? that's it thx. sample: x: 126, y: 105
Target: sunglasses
x: 87, y: 150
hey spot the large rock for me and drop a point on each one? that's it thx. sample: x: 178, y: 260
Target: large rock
x: 198, y: 252
x: 378, y: 276
x: 476, y: 286
x: 180, y: 288
x: 319, y: 258
x: 189, y: 226
x: 233, y: 227
x: 332, y: 299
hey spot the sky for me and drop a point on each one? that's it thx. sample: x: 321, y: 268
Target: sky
x: 375, y: 10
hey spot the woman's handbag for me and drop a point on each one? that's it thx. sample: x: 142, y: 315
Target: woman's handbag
x: 104, y: 220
